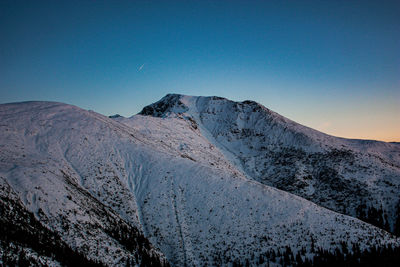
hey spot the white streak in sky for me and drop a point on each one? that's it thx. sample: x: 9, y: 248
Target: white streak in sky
x: 141, y: 67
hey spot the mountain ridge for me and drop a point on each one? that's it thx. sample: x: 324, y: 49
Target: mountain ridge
x: 168, y: 179
x: 303, y: 142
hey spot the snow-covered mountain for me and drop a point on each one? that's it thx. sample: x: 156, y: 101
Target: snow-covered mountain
x: 360, y: 178
x: 192, y: 181
x: 63, y: 165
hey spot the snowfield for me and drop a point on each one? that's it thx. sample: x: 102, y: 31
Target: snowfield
x: 203, y: 180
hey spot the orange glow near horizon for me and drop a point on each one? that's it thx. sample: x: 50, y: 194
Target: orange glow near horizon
x: 372, y: 119
x: 385, y: 129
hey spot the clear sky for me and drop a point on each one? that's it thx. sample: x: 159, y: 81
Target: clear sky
x: 331, y: 65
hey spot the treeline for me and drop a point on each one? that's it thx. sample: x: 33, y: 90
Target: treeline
x: 21, y: 228
x: 379, y: 218
x: 137, y: 244
x: 382, y: 256
x: 397, y: 222
x: 21, y: 232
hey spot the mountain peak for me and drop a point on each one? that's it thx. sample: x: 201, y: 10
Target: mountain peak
x: 115, y: 116
x: 170, y: 103
x: 178, y: 103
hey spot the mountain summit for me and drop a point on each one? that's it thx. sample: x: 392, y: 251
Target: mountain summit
x: 190, y: 181
x: 359, y: 178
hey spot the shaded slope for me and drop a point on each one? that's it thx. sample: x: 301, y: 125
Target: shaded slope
x: 24, y: 240
x: 53, y: 158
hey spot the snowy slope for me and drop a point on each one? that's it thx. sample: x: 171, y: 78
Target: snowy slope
x: 64, y: 164
x: 100, y: 183
x: 356, y: 177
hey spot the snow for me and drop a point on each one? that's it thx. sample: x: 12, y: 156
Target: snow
x: 252, y: 138
x: 182, y: 177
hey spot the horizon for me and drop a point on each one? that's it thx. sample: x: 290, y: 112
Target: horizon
x: 333, y: 67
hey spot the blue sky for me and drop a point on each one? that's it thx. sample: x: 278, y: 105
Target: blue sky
x: 331, y: 65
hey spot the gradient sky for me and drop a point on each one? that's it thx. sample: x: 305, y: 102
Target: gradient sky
x: 331, y: 65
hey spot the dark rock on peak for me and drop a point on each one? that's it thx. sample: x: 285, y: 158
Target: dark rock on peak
x: 115, y: 116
